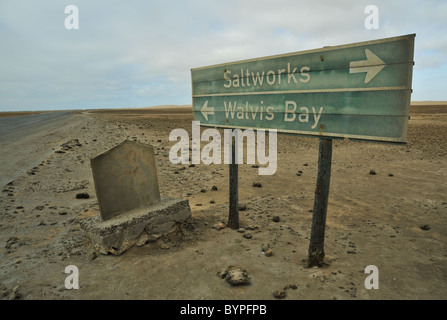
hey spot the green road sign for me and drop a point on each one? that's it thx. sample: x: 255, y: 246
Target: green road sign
x: 357, y: 91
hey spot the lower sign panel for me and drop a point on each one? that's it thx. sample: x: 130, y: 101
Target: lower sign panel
x: 378, y: 115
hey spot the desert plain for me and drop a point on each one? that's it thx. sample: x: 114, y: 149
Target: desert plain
x: 387, y: 208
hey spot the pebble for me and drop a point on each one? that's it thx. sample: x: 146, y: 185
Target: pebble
x: 372, y: 172
x: 247, y: 235
x: 425, y: 227
x: 257, y: 184
x: 280, y: 294
x: 241, y: 230
x: 275, y: 219
x: 164, y: 246
x: 268, y: 253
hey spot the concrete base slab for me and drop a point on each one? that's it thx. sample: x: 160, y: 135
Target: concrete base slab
x: 122, y: 232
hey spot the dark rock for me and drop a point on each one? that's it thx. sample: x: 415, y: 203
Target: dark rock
x: 425, y: 227
x: 214, y: 188
x: 257, y: 184
x: 372, y: 172
x: 82, y: 195
x: 275, y: 219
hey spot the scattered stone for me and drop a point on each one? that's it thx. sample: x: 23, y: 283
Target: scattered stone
x: 242, y: 207
x: 390, y: 175
x: 82, y: 195
x: 14, y: 295
x: 425, y: 227
x: 212, y: 201
x: 247, y: 235
x: 63, y: 213
x: 280, y: 294
x: 203, y: 190
x: 257, y: 184
x: 372, y: 172
x: 192, y: 165
x: 255, y: 166
x: 221, y: 225
x: 265, y: 247
x: 305, y: 164
x: 142, y: 239
x: 241, y: 230
x: 39, y: 207
x: 235, y: 276
x: 214, y: 188
x: 275, y: 219
x: 10, y: 242
x: 268, y: 253
x: 93, y: 255
x: 164, y: 246
x: 291, y: 286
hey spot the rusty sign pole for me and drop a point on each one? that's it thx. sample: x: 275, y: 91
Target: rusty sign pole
x: 233, y: 215
x: 316, y: 246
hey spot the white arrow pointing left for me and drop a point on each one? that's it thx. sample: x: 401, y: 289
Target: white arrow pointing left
x: 206, y: 111
x: 372, y: 65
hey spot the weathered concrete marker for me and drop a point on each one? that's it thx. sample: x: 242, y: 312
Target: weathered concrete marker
x: 131, y: 209
x: 125, y: 178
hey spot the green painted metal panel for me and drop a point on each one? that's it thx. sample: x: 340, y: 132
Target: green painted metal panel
x: 359, y: 91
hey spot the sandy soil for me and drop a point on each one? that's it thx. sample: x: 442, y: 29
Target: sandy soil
x: 395, y: 219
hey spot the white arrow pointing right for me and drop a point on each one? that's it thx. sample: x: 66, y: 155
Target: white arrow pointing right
x: 206, y: 111
x: 372, y: 65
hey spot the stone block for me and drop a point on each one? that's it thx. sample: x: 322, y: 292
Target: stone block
x: 121, y: 232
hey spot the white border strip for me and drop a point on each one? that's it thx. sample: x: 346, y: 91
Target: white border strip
x: 300, y: 91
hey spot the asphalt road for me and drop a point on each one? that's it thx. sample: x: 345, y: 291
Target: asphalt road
x: 27, y: 140
x: 20, y: 126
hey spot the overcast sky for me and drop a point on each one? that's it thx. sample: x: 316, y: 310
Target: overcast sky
x: 131, y: 54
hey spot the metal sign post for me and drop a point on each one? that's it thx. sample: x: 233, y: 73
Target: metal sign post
x: 233, y: 216
x: 316, y: 246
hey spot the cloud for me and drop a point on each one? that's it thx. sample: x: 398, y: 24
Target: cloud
x: 134, y: 53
